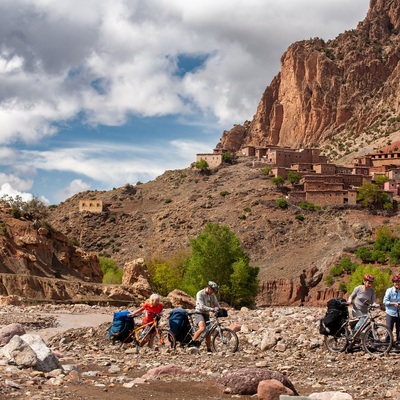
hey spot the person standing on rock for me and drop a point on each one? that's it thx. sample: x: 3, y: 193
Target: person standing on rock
x: 206, y: 301
x: 391, y: 300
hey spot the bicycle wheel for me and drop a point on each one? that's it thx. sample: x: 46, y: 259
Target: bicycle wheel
x: 377, y: 340
x: 225, y: 339
x: 163, y: 338
x: 337, y: 344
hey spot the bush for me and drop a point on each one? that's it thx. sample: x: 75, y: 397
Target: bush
x: 266, y: 170
x: 364, y: 254
x: 329, y: 280
x: 299, y: 217
x: 305, y: 205
x: 111, y: 273
x: 347, y: 265
x: 282, y: 203
x: 337, y: 270
x: 343, y: 287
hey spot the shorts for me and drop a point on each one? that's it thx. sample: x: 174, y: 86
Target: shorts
x: 198, y: 317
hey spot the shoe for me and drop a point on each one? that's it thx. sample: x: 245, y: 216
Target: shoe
x: 194, y: 343
x: 209, y: 351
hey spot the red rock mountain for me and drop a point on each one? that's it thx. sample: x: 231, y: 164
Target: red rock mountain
x: 339, y: 90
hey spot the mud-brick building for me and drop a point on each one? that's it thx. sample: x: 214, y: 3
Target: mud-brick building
x: 94, y: 206
x: 213, y: 159
x: 285, y: 157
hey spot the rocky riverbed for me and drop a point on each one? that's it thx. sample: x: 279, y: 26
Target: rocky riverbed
x: 283, y: 339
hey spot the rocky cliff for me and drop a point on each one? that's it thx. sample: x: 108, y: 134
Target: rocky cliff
x: 343, y: 93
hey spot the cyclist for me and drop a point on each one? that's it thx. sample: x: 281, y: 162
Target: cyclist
x: 391, y: 300
x: 206, y: 301
x: 151, y: 307
x: 360, y: 298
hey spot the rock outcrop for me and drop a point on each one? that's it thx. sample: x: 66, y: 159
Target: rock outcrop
x: 339, y: 87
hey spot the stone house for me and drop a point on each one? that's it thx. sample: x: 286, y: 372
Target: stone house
x: 94, y: 206
x: 213, y: 159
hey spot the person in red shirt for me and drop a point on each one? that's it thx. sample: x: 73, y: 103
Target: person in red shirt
x: 151, y: 308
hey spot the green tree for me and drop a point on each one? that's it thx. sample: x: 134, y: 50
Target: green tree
x: 371, y: 196
x: 381, y: 179
x: 293, y: 177
x: 202, y: 165
x: 383, y: 279
x: 111, y: 273
x: 218, y: 255
x: 278, y: 181
x: 384, y: 239
x: 227, y: 157
x: 168, y: 274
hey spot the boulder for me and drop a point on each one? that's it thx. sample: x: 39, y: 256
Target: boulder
x: 245, y: 381
x: 47, y: 361
x: 20, y: 353
x: 272, y: 389
x: 7, y: 332
x: 180, y: 299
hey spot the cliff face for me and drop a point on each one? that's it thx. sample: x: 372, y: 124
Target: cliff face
x: 340, y: 87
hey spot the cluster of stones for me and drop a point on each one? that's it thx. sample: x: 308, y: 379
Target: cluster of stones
x: 280, y: 353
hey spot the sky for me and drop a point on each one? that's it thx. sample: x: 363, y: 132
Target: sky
x: 95, y: 94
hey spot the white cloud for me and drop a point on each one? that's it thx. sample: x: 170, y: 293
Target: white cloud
x: 7, y: 190
x: 75, y: 186
x: 102, y: 62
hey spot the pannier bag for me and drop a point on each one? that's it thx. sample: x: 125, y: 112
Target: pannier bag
x: 179, y: 325
x: 222, y: 312
x: 334, y: 318
x: 122, y: 326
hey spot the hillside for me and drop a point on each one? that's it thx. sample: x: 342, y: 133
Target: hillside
x: 157, y: 219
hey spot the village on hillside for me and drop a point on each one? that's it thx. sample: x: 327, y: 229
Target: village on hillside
x: 322, y: 183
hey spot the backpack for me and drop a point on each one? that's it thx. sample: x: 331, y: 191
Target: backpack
x: 331, y: 323
x: 179, y: 325
x: 122, y: 326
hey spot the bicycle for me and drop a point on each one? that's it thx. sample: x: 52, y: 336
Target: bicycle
x: 376, y: 338
x: 152, y: 334
x: 221, y: 338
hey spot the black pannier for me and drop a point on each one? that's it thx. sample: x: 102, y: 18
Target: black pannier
x: 337, y: 313
x: 222, y: 312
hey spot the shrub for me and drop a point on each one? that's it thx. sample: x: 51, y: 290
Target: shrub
x: 278, y: 181
x: 305, y: 205
x: 347, y: 265
x: 167, y: 201
x: 337, y: 270
x: 329, y: 280
x: 282, y: 203
x: 299, y: 217
x: 266, y: 170
x: 224, y: 193
x: 343, y: 287
x: 202, y: 165
x: 111, y: 273
x: 364, y: 254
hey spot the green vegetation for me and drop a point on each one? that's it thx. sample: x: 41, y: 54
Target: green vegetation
x: 266, y: 170
x: 372, y: 197
x: 278, y: 182
x: 167, y: 201
x: 282, y: 203
x: 217, y: 255
x: 381, y: 179
x: 227, y: 157
x: 168, y: 274
x: 224, y: 193
x: 111, y: 273
x: 305, y: 205
x: 202, y: 165
x: 293, y: 177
